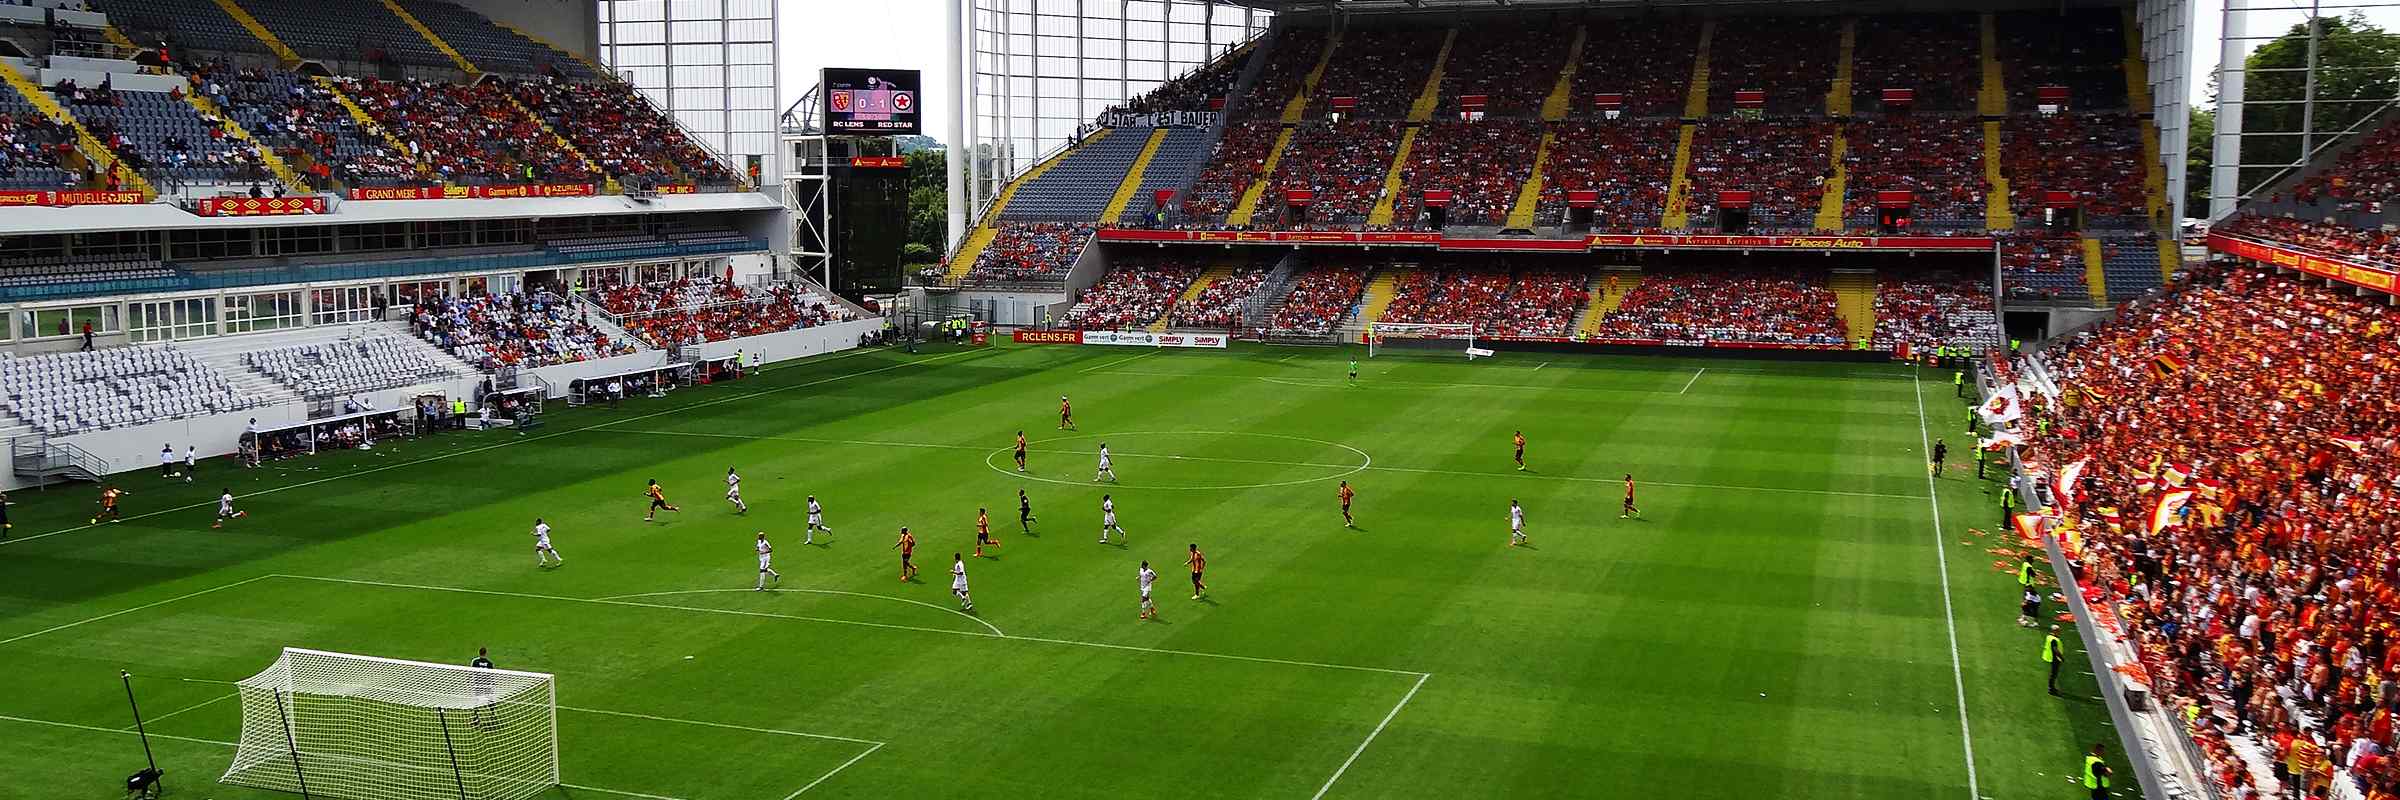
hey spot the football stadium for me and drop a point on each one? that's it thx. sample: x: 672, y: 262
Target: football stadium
x: 1164, y: 398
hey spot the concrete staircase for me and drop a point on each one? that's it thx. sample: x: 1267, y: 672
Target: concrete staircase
x: 1695, y: 102
x: 2137, y: 94
x: 266, y: 154
x: 1379, y: 292
x: 283, y: 53
x: 1991, y: 101
x: 1298, y: 105
x: 1247, y: 207
x: 1133, y: 177
x: 1679, y: 184
x: 431, y: 38
x: 103, y: 159
x: 367, y: 121
x: 1837, y: 101
x: 609, y: 183
x: 964, y: 260
x: 1606, y: 297
x: 1199, y: 284
x: 1419, y: 112
x: 1854, y: 299
x: 1554, y: 109
x: 600, y: 321
x: 1830, y: 206
x: 2095, y: 269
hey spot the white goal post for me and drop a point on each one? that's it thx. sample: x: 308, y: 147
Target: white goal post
x: 1385, y: 338
x: 326, y: 724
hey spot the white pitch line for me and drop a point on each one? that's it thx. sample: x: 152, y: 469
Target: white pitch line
x: 1128, y: 359
x: 1687, y: 385
x: 121, y: 612
x: 148, y: 721
x: 511, y: 442
x: 222, y: 743
x: 1272, y: 463
x: 1538, y: 367
x: 1378, y: 731
x: 1958, y: 676
x: 995, y: 629
x: 836, y: 770
x: 725, y: 725
x: 631, y: 604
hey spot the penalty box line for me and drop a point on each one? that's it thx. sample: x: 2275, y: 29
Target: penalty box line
x: 873, y: 746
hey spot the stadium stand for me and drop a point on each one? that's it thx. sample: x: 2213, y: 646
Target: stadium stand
x: 1783, y: 163
x: 23, y: 277
x: 1134, y: 293
x: 1318, y: 300
x: 1509, y: 61
x: 1789, y: 58
x: 343, y: 30
x: 1535, y: 303
x: 1294, y: 54
x: 1078, y: 186
x: 1939, y: 159
x: 2261, y: 604
x: 710, y: 309
x: 184, y: 25
x: 468, y: 134
x: 1457, y: 157
x: 1240, y: 154
x: 303, y: 123
x: 490, y: 331
x: 1934, y: 309
x: 623, y: 134
x: 2381, y: 246
x: 33, y: 149
x: 1221, y: 304
x: 1931, y: 55
x: 67, y: 393
x: 328, y: 369
x: 493, y: 48
x: 1029, y: 253
x: 1729, y: 305
x: 1343, y: 162
x: 2368, y: 172
x: 1382, y: 65
x: 2096, y: 158
x: 158, y: 134
x: 1197, y: 90
x: 2130, y: 264
x: 1625, y: 161
x: 1647, y: 61
x: 2040, y: 266
x: 2080, y: 49
x: 1177, y: 154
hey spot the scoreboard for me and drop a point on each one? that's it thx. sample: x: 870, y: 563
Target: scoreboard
x: 871, y: 102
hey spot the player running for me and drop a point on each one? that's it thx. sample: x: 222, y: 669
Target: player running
x: 1108, y: 520
x: 1630, y: 509
x: 1107, y: 469
x: 983, y: 532
x: 225, y: 509
x: 1147, y: 578
x: 907, y: 547
x: 108, y: 505
x: 658, y: 500
x: 1199, y: 564
x: 1020, y: 451
x: 1516, y: 524
x: 958, y: 582
x: 1346, y: 494
x: 1024, y: 512
x: 1519, y: 439
x: 1941, y: 452
x: 733, y: 491
x: 766, y: 563
x: 816, y: 522
x: 1066, y: 414
x: 543, y: 551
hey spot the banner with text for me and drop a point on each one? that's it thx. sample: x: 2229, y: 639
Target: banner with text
x: 2378, y: 278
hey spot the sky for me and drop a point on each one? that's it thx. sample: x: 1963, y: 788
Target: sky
x: 909, y: 34
x: 892, y: 34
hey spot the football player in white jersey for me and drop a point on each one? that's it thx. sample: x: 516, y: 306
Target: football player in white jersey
x: 766, y: 562
x: 1108, y: 520
x: 816, y: 521
x: 1148, y: 578
x: 542, y: 549
x: 733, y: 491
x: 958, y: 582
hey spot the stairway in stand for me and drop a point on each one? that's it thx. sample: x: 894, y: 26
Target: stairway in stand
x: 2095, y: 274
x: 1200, y: 284
x: 1854, y: 298
x: 1608, y: 291
x: 1991, y: 102
x: 1380, y: 289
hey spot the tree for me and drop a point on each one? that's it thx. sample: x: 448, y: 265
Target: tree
x: 928, y: 206
x: 2356, y: 61
x: 2199, y: 159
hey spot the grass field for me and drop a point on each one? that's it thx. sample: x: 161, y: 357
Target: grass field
x: 1785, y: 620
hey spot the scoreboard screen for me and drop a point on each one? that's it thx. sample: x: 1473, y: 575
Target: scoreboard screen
x: 871, y: 102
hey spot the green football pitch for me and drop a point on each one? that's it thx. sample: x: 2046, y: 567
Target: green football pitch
x: 1797, y: 612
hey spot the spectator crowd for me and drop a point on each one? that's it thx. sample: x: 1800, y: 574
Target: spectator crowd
x: 691, y: 310
x: 1132, y: 295
x: 519, y: 329
x: 1729, y: 305
x: 1023, y: 252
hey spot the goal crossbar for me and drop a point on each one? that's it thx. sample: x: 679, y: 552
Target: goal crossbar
x: 1390, y: 336
x: 329, y: 724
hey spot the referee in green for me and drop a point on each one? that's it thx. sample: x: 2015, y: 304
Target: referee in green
x: 2054, y: 652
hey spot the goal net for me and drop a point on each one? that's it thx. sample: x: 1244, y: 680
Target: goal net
x: 349, y: 726
x: 1389, y: 338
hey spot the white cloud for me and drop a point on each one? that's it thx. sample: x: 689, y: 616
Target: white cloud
x: 901, y: 34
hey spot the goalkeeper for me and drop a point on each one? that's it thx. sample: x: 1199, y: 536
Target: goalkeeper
x: 1354, y: 370
x: 482, y: 685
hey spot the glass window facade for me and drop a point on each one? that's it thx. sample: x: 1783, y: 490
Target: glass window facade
x: 710, y: 63
x: 1044, y: 68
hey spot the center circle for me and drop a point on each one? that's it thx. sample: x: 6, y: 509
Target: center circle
x: 1158, y: 454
